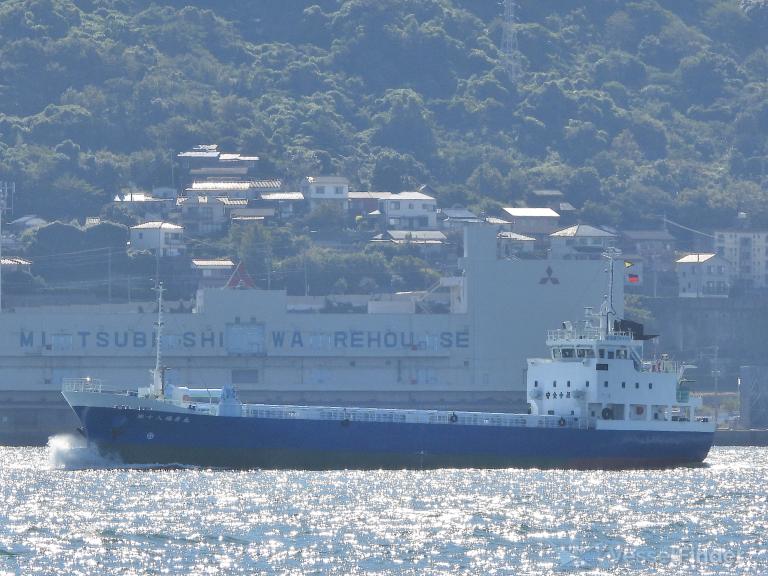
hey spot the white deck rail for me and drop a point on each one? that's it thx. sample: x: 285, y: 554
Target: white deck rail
x: 412, y: 416
x: 81, y: 385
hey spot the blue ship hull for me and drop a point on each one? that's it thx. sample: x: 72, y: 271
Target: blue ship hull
x: 170, y: 438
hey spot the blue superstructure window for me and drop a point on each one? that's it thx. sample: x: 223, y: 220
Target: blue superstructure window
x: 587, y: 383
x: 637, y: 384
x: 650, y: 385
x: 554, y: 384
x: 623, y: 384
x: 605, y: 384
x: 535, y: 383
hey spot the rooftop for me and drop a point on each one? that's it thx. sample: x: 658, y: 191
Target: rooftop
x: 459, y: 213
x: 220, y: 263
x: 156, y: 226
x: 277, y: 196
x: 418, y: 236
x: 695, y: 258
x: 515, y: 236
x: 369, y: 195
x: 410, y: 196
x: 532, y: 212
x: 581, y: 231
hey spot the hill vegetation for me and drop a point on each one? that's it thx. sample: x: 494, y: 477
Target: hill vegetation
x: 634, y: 109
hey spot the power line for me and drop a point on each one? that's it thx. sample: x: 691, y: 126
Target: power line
x: 683, y: 227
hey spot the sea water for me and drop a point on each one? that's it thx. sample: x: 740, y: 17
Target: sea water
x: 64, y: 510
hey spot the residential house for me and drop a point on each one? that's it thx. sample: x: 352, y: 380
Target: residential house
x: 512, y: 244
x: 145, y: 206
x: 532, y: 221
x: 409, y: 211
x: 703, y: 275
x: 654, y: 247
x: 213, y: 273
x: 456, y: 218
x: 206, y: 161
x: 15, y: 264
x: 365, y: 203
x: 162, y: 238
x: 324, y: 190
x: 203, y: 214
x: 284, y: 205
x: 580, y: 242
x: 429, y: 242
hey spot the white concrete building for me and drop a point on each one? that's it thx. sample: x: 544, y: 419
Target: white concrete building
x: 747, y: 251
x: 153, y: 236
x: 326, y: 189
x: 703, y: 275
x: 409, y: 211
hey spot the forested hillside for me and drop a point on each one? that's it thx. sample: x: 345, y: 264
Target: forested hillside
x: 633, y: 109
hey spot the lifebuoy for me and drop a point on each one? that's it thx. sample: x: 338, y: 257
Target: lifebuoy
x: 607, y: 414
x: 454, y: 418
x: 639, y: 410
x: 561, y: 422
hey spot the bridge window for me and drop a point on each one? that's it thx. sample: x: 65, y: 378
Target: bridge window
x: 610, y: 354
x: 568, y: 353
x: 601, y: 353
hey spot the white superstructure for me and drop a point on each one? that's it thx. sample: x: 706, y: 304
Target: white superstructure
x: 596, y: 373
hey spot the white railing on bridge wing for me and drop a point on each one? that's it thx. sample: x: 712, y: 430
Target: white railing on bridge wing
x: 664, y: 366
x: 81, y: 385
x: 387, y: 415
x: 585, y: 333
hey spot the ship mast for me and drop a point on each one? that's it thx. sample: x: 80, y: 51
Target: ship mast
x: 606, y: 310
x: 157, y: 372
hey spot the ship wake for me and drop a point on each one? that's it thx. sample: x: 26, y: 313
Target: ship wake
x: 71, y: 452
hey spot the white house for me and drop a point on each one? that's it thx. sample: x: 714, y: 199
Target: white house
x: 580, y: 242
x: 529, y: 221
x: 326, y: 189
x: 153, y: 236
x: 511, y: 244
x: 213, y: 273
x: 703, y: 275
x: 409, y: 211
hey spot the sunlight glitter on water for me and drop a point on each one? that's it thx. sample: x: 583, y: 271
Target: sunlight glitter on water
x: 62, y: 517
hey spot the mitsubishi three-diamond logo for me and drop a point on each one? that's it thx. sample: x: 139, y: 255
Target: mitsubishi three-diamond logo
x: 549, y: 278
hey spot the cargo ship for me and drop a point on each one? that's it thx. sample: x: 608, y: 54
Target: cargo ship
x: 594, y: 402
x: 459, y: 346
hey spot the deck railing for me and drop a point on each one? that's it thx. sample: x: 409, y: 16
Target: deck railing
x: 386, y: 415
x: 82, y: 385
